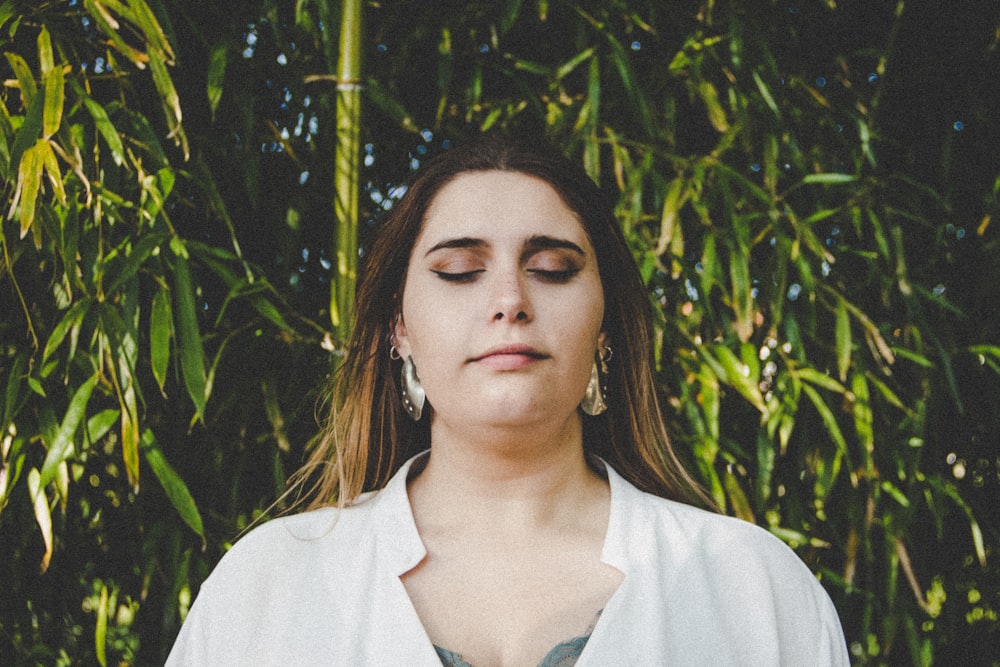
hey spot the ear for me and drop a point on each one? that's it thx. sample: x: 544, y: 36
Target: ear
x: 603, y: 342
x: 399, y: 337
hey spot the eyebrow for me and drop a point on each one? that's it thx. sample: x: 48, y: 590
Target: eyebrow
x: 533, y: 244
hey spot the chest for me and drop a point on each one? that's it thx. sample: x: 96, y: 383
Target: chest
x: 509, y: 606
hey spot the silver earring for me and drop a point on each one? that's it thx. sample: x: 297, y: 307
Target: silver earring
x: 413, y: 392
x: 595, y: 400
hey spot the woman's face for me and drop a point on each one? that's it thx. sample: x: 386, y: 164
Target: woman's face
x: 503, y: 303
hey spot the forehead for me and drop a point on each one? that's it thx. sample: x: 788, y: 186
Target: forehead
x: 499, y: 205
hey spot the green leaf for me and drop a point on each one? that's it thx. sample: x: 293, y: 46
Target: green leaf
x: 389, y: 105
x: 46, y: 61
x: 101, y: 628
x: 737, y: 498
x: 161, y: 324
x: 738, y: 375
x: 107, y: 130
x: 829, y: 420
x: 61, y: 446
x: 29, y: 182
x: 170, y: 98
x: 820, y: 379
x: 111, y: 28
x: 216, y: 75
x: 140, y: 252
x: 51, y: 168
x: 55, y: 96
x: 30, y: 129
x: 40, y: 503
x: 189, y: 336
x: 842, y: 339
x: 896, y: 494
x: 25, y: 79
x: 765, y: 93
x: 99, y: 425
x: 11, y: 396
x: 716, y: 114
x: 175, y: 488
x: 829, y: 179
x: 861, y: 409
x: 915, y: 357
x: 70, y: 320
x: 566, y: 68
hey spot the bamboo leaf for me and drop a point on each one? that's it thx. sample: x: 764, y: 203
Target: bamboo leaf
x: 716, y: 114
x: 820, y: 379
x: 737, y: 375
x: 110, y: 26
x: 29, y: 182
x: 829, y: 420
x: 55, y: 96
x: 107, y: 130
x: 737, y: 498
x: 62, y: 444
x: 864, y: 424
x: 170, y: 98
x: 766, y: 457
x: 216, y: 75
x: 632, y: 89
x: 765, y: 93
x: 139, y: 253
x: 189, y: 336
x: 72, y: 318
x: 389, y: 105
x: 915, y: 357
x: 161, y: 324
x: 99, y: 425
x: 129, y: 417
x: 567, y: 68
x: 669, y: 222
x: 155, y: 191
x: 40, y: 504
x: 139, y: 13
x: 895, y: 493
x: 829, y: 179
x: 31, y: 129
x: 12, y: 401
x: 175, y: 488
x: 842, y: 340
x: 25, y: 79
x: 101, y: 629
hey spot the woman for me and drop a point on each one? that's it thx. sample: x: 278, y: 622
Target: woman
x: 505, y: 492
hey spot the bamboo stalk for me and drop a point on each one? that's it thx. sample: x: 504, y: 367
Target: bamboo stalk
x: 346, y: 170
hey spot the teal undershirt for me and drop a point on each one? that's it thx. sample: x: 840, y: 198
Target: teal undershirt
x: 563, y: 655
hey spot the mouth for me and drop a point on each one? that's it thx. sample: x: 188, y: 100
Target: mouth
x: 509, y: 357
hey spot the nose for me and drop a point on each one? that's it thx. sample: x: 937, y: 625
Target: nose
x: 510, y: 300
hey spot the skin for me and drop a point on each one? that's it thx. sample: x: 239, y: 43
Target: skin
x: 501, y: 313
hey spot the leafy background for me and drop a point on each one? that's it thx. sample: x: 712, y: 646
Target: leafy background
x: 810, y: 189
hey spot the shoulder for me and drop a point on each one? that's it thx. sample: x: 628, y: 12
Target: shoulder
x: 730, y: 574
x: 296, y: 538
x: 688, y: 532
x: 721, y: 545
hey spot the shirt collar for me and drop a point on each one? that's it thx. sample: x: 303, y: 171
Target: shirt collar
x: 399, y: 540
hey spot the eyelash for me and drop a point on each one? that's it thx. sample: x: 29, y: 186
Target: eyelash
x: 547, y: 276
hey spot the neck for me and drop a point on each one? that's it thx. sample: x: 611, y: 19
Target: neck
x: 505, y: 478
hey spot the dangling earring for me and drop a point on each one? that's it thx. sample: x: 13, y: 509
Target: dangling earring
x: 594, y: 401
x: 413, y: 392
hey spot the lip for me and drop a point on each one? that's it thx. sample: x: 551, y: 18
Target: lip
x: 509, y: 357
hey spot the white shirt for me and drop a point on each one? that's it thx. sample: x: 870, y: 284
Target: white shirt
x: 323, y: 588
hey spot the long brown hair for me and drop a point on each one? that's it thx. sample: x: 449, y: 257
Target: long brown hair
x: 368, y: 436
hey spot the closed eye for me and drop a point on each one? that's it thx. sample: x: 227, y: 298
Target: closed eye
x: 555, y: 276
x: 461, y: 277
